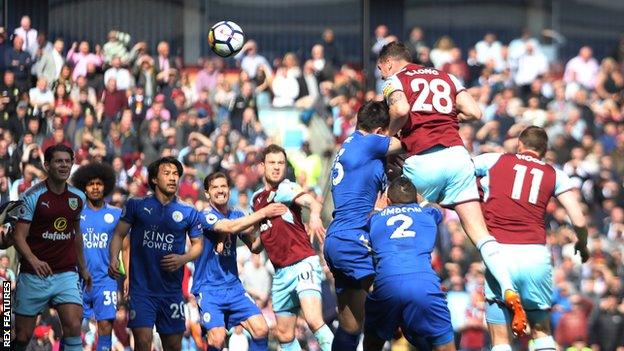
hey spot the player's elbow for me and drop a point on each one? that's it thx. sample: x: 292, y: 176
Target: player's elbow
x: 399, y: 109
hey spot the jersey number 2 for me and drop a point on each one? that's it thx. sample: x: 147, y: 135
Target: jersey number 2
x: 536, y: 182
x: 401, y: 231
x: 441, y: 100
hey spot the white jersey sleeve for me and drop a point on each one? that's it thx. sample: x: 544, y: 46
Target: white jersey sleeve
x: 458, y: 85
x: 484, y: 162
x: 391, y: 85
x: 563, y: 183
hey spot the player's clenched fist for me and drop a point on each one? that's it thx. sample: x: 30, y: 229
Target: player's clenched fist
x: 113, y: 268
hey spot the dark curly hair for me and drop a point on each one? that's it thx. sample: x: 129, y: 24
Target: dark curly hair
x: 87, y: 173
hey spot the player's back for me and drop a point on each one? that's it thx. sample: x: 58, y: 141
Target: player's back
x: 402, y: 238
x: 516, y: 190
x: 357, y: 178
x: 97, y: 228
x: 433, y: 116
x: 214, y: 269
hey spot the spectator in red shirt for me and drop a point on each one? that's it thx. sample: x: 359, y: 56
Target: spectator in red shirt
x: 114, y: 101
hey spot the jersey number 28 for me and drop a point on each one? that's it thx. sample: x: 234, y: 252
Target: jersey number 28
x: 441, y: 100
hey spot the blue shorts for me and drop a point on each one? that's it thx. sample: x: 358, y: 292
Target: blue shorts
x: 100, y: 302
x: 531, y: 273
x: 166, y: 312
x: 349, y: 258
x: 414, y: 302
x: 33, y: 293
x: 443, y: 175
x: 299, y: 279
x: 226, y: 307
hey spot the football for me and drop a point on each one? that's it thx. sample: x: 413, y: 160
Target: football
x: 226, y: 38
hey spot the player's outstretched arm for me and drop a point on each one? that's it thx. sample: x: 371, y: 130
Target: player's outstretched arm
x: 395, y: 147
x: 399, y: 109
x: 19, y: 235
x: 115, y: 246
x: 233, y: 226
x: 315, y: 225
x: 82, y: 263
x: 467, y: 108
x: 570, y: 202
x: 173, y: 262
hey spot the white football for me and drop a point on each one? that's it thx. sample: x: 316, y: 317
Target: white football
x: 226, y: 38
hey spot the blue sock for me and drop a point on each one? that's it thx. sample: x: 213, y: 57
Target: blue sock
x: 258, y: 344
x: 105, y: 342
x: 493, y: 258
x: 72, y: 343
x: 344, y: 341
x: 291, y: 346
x: 325, y: 337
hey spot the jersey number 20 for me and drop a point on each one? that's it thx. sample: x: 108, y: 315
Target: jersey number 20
x: 441, y: 100
x: 401, y: 231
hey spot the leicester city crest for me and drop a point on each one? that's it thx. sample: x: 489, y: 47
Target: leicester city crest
x: 73, y: 203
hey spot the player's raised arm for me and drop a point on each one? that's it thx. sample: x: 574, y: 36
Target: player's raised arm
x: 315, y: 224
x: 234, y: 226
x: 467, y: 108
x: 121, y: 230
x: 570, y: 202
x: 395, y: 147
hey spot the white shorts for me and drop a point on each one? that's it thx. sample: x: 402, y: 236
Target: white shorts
x: 446, y: 175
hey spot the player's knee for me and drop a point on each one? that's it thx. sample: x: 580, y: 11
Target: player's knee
x: 23, y: 333
x: 216, y: 338
x: 284, y: 335
x: 105, y: 327
x: 72, y: 327
x: 259, y: 331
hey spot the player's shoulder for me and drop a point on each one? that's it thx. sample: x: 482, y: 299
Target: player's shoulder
x: 236, y: 213
x: 257, y: 193
x: 184, y: 205
x: 72, y: 189
x: 113, y: 209
x: 35, y: 191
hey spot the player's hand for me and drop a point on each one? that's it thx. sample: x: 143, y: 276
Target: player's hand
x: 41, y: 268
x: 220, y: 245
x: 172, y: 262
x: 113, y: 269
x: 581, y: 248
x: 274, y: 210
x: 86, y: 278
x: 316, y: 229
x: 126, y: 287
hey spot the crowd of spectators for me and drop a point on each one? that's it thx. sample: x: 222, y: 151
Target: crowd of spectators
x: 123, y: 104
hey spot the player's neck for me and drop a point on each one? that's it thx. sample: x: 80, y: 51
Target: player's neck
x: 530, y: 152
x: 223, y: 209
x: 57, y: 187
x: 163, y: 198
x: 95, y: 205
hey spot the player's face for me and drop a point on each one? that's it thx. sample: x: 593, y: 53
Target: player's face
x: 219, y: 192
x: 167, y: 179
x: 386, y: 68
x: 59, y: 166
x: 274, y: 167
x: 95, y: 190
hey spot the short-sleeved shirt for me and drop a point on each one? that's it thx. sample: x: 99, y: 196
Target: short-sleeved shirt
x: 516, y: 189
x: 358, y: 175
x: 53, y: 219
x: 402, y: 238
x: 433, y: 115
x: 214, y: 269
x: 158, y: 230
x: 284, y: 238
x: 97, y: 228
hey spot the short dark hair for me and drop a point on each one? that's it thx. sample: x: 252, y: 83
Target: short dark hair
x: 395, y: 50
x: 273, y: 149
x: 96, y: 170
x: 402, y: 191
x: 49, y: 152
x: 152, y: 169
x: 215, y: 175
x: 536, y: 139
x: 372, y: 115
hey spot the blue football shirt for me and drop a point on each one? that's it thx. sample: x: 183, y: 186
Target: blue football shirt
x: 97, y: 227
x: 358, y: 175
x: 214, y: 269
x: 158, y: 230
x: 402, y: 239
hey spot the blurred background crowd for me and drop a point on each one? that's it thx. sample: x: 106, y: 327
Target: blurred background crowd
x: 128, y: 103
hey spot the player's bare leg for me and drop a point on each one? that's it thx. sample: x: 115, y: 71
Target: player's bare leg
x: 216, y: 338
x: 142, y: 339
x: 312, y: 308
x: 473, y: 222
x: 285, y: 331
x: 171, y: 342
x: 24, y: 327
x: 259, y: 330
x: 105, y: 329
x: 70, y: 315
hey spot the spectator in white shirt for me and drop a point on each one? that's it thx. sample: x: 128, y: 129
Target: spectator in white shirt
x: 582, y: 69
x: 28, y: 34
x: 518, y: 46
x: 122, y: 75
x: 489, y: 49
x: 531, y: 64
x: 41, y: 98
x: 251, y: 61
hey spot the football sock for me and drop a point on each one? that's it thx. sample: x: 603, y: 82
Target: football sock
x: 104, y: 342
x: 72, y: 343
x: 291, y: 346
x: 501, y: 347
x: 546, y: 343
x: 495, y: 262
x: 344, y: 341
x: 258, y: 344
x: 324, y: 336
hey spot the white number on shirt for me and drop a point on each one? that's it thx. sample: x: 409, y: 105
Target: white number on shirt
x: 177, y: 310
x: 536, y: 182
x: 401, y: 231
x: 338, y: 171
x: 110, y: 297
x: 441, y: 100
